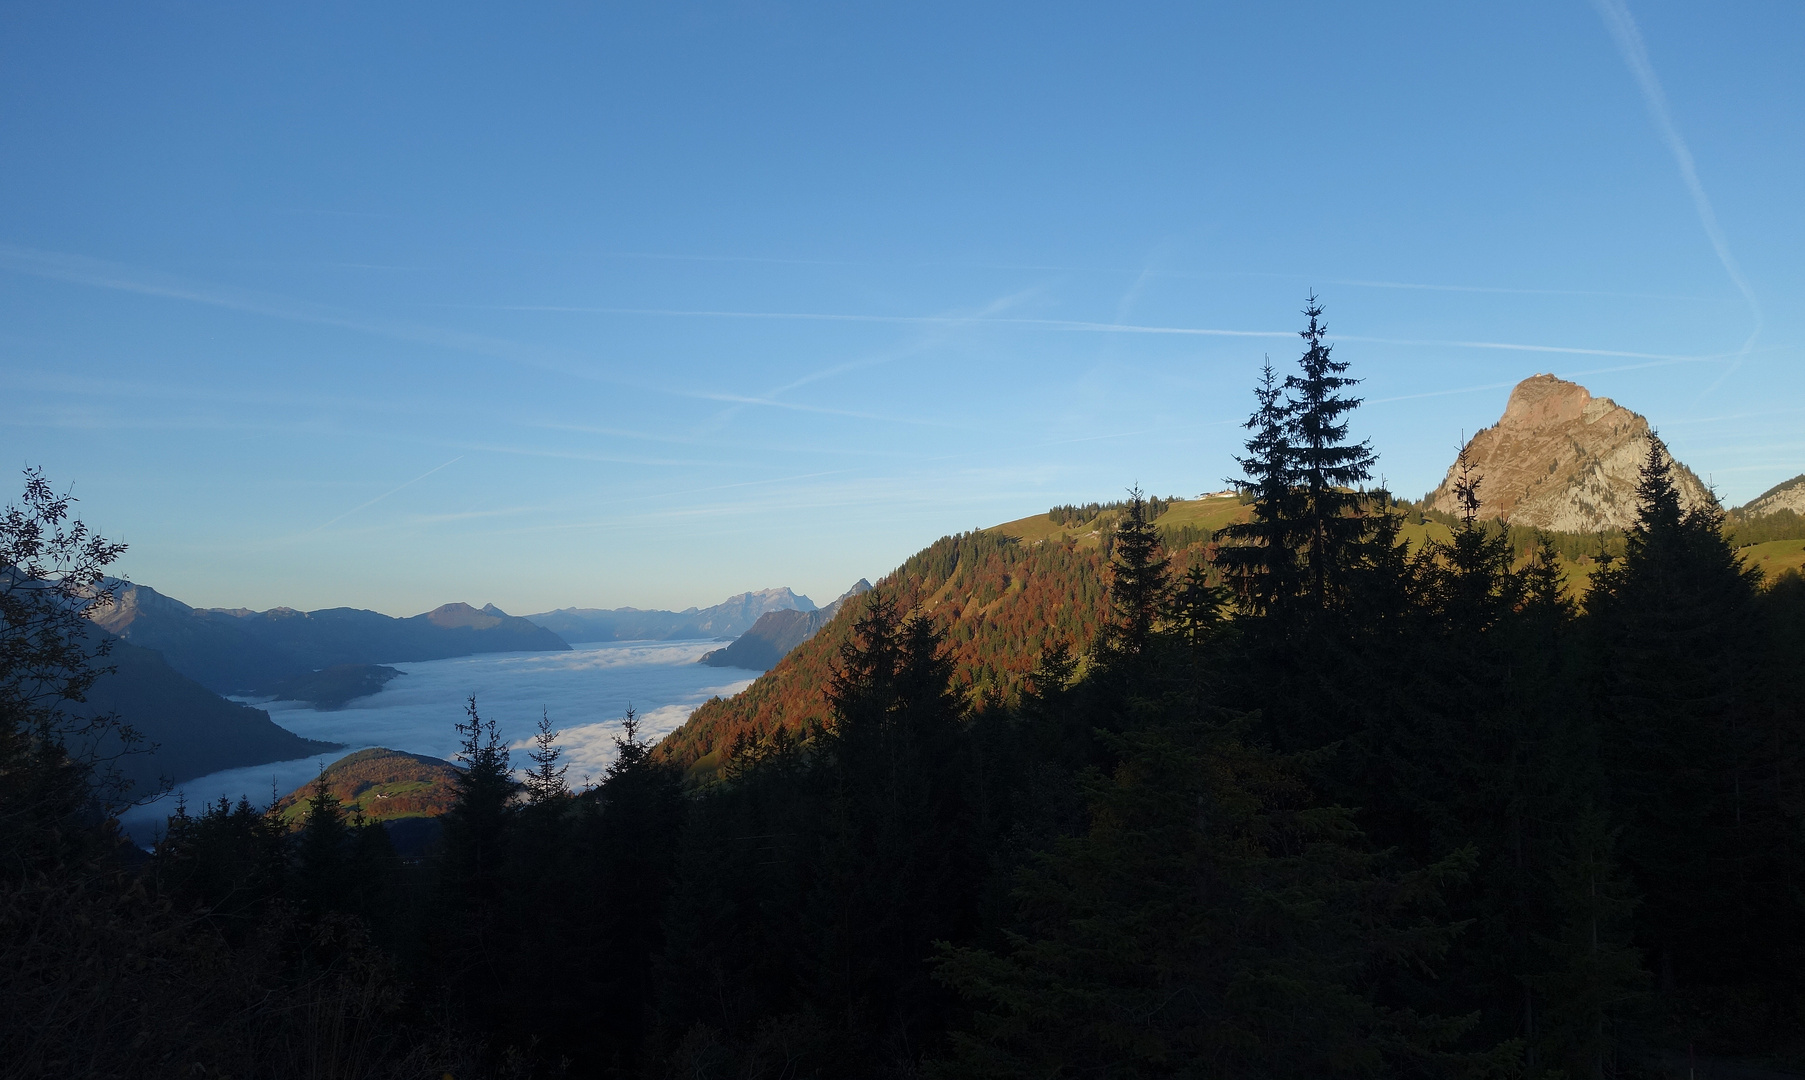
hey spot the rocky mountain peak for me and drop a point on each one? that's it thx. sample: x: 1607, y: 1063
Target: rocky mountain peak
x: 1787, y: 496
x: 1543, y: 400
x: 461, y: 615
x: 1564, y: 460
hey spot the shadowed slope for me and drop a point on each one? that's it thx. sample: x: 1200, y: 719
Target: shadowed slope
x: 194, y: 730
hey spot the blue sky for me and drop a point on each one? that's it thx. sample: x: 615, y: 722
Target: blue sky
x: 391, y: 305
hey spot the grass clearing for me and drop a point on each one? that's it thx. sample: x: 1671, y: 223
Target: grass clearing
x: 1775, y: 557
x: 1202, y: 514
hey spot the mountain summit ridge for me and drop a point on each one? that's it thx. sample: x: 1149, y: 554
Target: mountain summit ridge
x: 242, y: 651
x: 1563, y: 460
x: 725, y: 620
x: 1787, y: 495
x: 777, y: 632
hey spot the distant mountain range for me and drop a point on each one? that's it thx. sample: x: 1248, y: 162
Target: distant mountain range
x: 238, y: 651
x: 174, y: 662
x: 776, y: 633
x: 728, y: 619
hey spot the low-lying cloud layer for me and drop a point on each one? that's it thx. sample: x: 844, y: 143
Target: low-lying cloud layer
x: 585, y: 692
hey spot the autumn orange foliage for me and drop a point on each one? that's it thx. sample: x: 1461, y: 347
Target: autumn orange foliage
x: 1001, y: 602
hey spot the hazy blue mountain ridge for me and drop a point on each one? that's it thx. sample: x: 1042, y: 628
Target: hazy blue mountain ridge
x: 776, y: 633
x: 193, y: 730
x: 240, y: 651
x: 727, y: 619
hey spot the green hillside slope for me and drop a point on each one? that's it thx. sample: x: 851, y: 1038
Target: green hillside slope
x: 1775, y: 557
x: 381, y: 784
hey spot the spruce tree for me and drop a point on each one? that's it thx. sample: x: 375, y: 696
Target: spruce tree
x: 640, y: 802
x: 473, y: 863
x: 545, y: 782
x: 902, y: 866
x: 1671, y: 623
x: 1258, y: 557
x: 863, y: 683
x: 1196, y: 606
x: 1327, y: 469
x: 230, y: 860
x: 476, y: 824
x: 322, y: 851
x: 1137, y: 580
x: 1474, y: 585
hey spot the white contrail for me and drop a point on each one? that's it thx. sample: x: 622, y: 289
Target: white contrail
x: 1085, y: 327
x: 1623, y: 29
x: 386, y: 494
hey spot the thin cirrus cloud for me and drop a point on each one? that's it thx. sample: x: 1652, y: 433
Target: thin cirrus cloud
x: 1146, y: 272
x: 839, y: 450
x: 102, y: 274
x: 1628, y: 37
x: 96, y: 273
x: 821, y: 410
x: 1511, y: 291
x: 386, y: 494
x: 1084, y: 326
x: 1562, y: 375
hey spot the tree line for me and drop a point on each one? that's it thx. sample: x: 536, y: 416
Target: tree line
x: 1085, y: 513
x: 1324, y: 804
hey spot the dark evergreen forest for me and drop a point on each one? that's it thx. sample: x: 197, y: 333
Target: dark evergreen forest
x: 1322, y: 805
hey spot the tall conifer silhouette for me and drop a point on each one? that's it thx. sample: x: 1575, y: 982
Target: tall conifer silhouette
x: 1673, y: 620
x: 1258, y: 559
x: 1138, y: 586
x: 545, y: 782
x: 1328, y: 470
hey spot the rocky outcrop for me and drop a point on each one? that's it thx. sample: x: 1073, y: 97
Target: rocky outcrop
x: 1563, y: 460
x: 1787, y: 496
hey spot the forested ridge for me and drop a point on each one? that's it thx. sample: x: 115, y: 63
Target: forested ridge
x: 1000, y: 605
x: 1308, y: 797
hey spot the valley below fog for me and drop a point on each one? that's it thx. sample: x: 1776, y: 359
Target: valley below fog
x: 585, y: 691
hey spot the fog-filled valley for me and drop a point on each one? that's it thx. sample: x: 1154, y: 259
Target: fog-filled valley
x: 584, y: 691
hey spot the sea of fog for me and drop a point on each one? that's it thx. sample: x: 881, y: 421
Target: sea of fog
x: 585, y: 692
